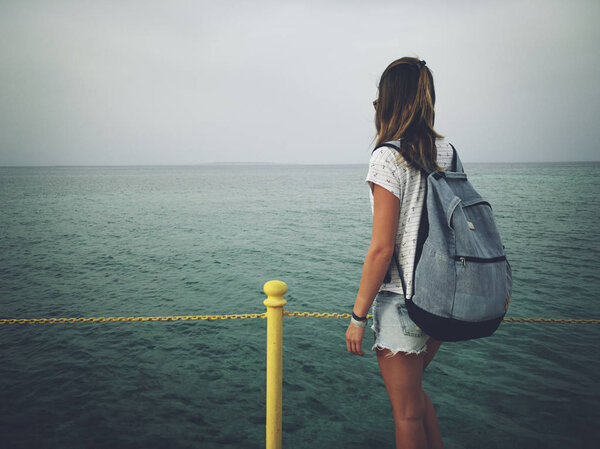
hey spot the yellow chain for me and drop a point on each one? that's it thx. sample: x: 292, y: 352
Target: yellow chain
x: 320, y: 315
x: 509, y: 320
x: 130, y: 319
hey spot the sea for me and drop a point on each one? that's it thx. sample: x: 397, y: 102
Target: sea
x: 203, y: 240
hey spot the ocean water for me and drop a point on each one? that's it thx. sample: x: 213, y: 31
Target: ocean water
x: 129, y: 241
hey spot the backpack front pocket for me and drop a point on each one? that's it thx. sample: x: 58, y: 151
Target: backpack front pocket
x: 480, y: 288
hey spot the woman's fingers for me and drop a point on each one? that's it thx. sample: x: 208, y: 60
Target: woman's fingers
x: 358, y: 348
x: 348, y: 342
x: 354, y: 337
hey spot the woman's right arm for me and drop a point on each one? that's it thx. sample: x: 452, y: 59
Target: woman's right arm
x: 386, y: 207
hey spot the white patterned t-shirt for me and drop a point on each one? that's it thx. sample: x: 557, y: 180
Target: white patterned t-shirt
x: 388, y: 170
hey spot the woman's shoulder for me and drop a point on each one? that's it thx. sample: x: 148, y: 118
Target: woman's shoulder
x: 442, y: 142
x: 385, y: 171
x: 384, y: 154
x: 444, y: 152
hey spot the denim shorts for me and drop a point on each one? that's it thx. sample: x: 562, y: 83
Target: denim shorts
x: 394, y: 330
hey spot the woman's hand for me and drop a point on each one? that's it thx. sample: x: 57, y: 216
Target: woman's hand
x: 354, y: 338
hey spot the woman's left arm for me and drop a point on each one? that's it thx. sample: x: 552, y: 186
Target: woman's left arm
x: 386, y: 207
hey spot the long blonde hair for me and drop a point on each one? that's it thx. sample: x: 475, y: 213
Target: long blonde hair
x: 405, y: 110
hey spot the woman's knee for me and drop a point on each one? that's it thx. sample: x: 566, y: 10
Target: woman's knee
x: 411, y: 408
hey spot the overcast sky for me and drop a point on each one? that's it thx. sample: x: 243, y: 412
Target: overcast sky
x: 187, y: 82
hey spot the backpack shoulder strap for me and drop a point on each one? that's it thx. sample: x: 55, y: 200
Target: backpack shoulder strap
x: 457, y: 165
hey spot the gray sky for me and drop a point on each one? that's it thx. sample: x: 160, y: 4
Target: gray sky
x: 186, y: 82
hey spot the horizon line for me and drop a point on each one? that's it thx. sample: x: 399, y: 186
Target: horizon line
x: 274, y: 163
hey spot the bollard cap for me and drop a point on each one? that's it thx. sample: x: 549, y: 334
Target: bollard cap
x: 275, y: 288
x: 275, y: 291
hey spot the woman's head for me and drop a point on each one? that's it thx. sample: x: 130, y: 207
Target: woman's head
x: 405, y: 108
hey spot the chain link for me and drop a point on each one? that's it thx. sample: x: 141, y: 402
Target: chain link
x: 243, y: 316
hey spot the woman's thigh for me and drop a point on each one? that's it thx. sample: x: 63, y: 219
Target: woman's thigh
x: 402, y: 373
x: 432, y: 348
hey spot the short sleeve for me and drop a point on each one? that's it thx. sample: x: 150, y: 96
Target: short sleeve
x: 384, y: 171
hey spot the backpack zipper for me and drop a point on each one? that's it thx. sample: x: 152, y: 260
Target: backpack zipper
x: 463, y: 259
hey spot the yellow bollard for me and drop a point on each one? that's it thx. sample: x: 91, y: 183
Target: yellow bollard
x: 274, y: 302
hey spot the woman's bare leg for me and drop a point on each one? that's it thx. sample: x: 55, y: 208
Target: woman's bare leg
x: 432, y: 429
x: 402, y: 376
x: 430, y: 423
x: 414, y: 414
x: 432, y: 348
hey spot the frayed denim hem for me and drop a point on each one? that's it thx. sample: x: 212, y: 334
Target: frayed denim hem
x: 393, y: 352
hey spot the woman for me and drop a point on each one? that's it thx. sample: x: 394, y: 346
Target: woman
x: 404, y: 111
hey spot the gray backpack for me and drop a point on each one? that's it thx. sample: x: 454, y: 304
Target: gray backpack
x: 462, y: 280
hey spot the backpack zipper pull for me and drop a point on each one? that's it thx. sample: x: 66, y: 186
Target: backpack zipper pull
x: 463, y: 261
